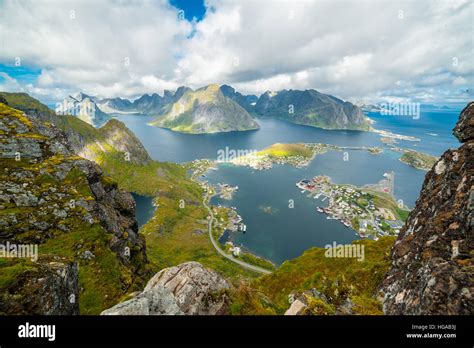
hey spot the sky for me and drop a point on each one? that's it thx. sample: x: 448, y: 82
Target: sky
x: 358, y: 50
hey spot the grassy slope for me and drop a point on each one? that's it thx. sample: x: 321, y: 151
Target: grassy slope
x: 286, y: 150
x: 418, y: 159
x: 181, y: 118
x: 170, y: 234
x: 384, y: 200
x: 96, y: 293
x: 23, y: 101
x: 305, y: 112
x: 314, y: 270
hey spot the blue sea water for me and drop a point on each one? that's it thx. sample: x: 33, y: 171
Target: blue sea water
x: 433, y: 128
x: 287, y: 232
x: 144, y: 209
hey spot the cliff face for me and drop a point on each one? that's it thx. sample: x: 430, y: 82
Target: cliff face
x: 432, y: 259
x: 62, y: 203
x: 311, y: 108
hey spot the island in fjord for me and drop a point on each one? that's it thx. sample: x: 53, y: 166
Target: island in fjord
x: 297, y: 155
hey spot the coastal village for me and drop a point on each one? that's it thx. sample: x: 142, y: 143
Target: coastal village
x: 371, y: 210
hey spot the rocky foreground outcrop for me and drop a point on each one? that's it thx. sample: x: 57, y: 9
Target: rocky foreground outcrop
x: 432, y: 270
x: 188, y: 288
x: 46, y: 287
x: 53, y: 198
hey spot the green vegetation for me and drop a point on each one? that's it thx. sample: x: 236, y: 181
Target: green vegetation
x: 369, y: 210
x: 178, y: 230
x: 246, y: 300
x: 336, y: 278
x: 97, y: 293
x: 418, y: 160
x: 205, y: 110
x: 67, y: 230
x: 22, y: 101
x: 103, y: 279
x: 11, y: 268
x: 257, y: 261
x: 287, y: 150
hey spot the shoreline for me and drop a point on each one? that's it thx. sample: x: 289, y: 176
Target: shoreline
x: 370, y: 210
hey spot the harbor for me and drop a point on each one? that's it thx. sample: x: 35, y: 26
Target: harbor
x: 370, y: 210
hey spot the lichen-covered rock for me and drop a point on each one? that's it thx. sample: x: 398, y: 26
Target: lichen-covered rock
x: 51, y: 197
x: 432, y: 269
x: 297, y: 307
x: 46, y: 287
x: 156, y: 301
x: 464, y: 129
x: 188, y: 288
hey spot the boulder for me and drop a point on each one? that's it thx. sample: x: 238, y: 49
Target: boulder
x: 188, y: 288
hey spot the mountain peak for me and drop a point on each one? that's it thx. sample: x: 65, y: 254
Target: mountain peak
x: 81, y: 96
x: 214, y: 88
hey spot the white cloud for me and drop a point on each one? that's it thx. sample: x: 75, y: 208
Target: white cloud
x: 352, y: 49
x: 96, y: 46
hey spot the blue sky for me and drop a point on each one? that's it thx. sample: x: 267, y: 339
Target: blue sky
x: 23, y: 74
x: 412, y: 50
x: 193, y: 9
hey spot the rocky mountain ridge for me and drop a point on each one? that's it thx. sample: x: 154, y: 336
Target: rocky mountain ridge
x: 83, y: 107
x: 306, y: 107
x: 51, y: 197
x: 432, y: 259
x: 311, y: 108
x: 84, y: 139
x: 205, y: 110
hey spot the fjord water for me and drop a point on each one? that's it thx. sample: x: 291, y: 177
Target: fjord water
x: 284, y: 232
x: 145, y: 208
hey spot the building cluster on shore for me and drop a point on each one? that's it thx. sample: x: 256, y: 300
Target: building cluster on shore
x: 226, y: 191
x: 354, y: 207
